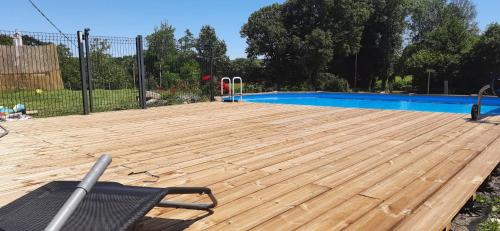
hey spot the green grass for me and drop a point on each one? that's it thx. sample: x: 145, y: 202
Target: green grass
x: 67, y: 102
x: 492, y: 222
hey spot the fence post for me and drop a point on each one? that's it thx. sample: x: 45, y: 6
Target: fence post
x: 212, y: 79
x: 88, y: 70
x: 141, y: 70
x: 83, y: 75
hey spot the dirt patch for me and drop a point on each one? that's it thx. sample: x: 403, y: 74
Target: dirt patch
x: 481, y: 213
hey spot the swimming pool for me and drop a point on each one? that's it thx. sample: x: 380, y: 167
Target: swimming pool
x: 450, y: 104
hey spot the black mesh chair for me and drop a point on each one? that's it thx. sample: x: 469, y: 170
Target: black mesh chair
x: 106, y: 206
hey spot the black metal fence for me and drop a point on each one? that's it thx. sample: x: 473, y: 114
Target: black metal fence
x: 112, y: 72
x: 41, y: 72
x: 50, y: 74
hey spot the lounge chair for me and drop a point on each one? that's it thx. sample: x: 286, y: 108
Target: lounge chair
x: 91, y: 205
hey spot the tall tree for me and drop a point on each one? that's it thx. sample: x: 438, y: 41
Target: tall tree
x: 317, y: 51
x: 382, y: 39
x: 208, y: 46
x: 483, y: 60
x: 440, y: 48
x: 186, y: 42
x: 266, y: 37
x: 161, y: 56
x: 425, y: 16
x: 189, y: 68
x: 305, y: 34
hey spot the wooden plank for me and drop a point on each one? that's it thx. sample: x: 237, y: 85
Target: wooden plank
x: 340, y: 217
x: 259, y: 214
x: 271, y: 166
x: 441, y: 207
x: 346, y: 188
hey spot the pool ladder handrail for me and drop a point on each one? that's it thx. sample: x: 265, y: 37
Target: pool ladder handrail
x: 222, y: 85
x: 231, y: 82
x: 241, y: 88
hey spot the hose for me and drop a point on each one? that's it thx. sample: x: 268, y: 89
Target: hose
x: 5, y: 131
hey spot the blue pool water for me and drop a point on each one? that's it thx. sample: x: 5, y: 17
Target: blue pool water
x: 450, y: 104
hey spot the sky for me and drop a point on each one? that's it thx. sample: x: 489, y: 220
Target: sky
x: 129, y: 18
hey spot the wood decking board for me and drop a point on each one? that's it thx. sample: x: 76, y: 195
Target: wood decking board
x: 272, y: 167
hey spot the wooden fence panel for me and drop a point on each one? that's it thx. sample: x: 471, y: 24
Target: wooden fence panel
x: 30, y: 67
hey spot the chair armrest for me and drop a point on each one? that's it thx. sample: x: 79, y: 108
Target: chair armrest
x: 186, y: 205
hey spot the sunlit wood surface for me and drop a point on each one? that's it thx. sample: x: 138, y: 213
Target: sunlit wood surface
x: 272, y: 167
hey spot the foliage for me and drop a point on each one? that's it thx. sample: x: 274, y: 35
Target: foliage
x: 330, y: 82
x: 440, y: 46
x: 254, y: 88
x: 109, y: 72
x: 161, y: 56
x: 402, y: 83
x: 251, y: 69
x: 483, y: 60
x: 382, y: 39
x: 69, y: 66
x: 298, y: 38
x: 492, y: 222
x: 177, y: 64
x: 211, y: 49
x: 5, y: 40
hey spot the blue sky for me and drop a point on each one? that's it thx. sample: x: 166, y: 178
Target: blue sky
x: 132, y: 17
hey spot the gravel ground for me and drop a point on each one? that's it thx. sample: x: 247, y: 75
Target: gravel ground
x: 473, y: 213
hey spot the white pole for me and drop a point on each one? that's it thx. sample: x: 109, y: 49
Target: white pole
x: 428, y: 82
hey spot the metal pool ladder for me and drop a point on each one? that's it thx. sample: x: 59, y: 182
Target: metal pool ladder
x: 232, y: 83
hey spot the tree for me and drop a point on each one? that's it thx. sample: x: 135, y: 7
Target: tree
x: 208, y: 46
x: 161, y: 56
x: 266, y: 37
x: 252, y: 70
x: 298, y: 38
x: 69, y: 66
x: 317, y: 52
x: 107, y: 71
x: 27, y: 40
x: 483, y: 60
x: 425, y: 16
x: 186, y: 42
x: 382, y: 39
x: 189, y: 68
x: 440, y: 47
x: 5, y: 40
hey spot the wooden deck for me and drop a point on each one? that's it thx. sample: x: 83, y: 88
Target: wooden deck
x: 272, y: 167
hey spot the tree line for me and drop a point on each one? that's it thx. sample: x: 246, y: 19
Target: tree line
x: 330, y: 45
x: 310, y: 42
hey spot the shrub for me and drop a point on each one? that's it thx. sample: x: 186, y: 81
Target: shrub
x: 295, y: 87
x: 331, y: 82
x: 252, y: 88
x: 402, y: 83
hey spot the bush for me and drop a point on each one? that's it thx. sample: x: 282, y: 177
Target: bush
x: 252, y: 88
x: 379, y: 85
x: 402, y: 83
x: 295, y: 87
x: 331, y: 82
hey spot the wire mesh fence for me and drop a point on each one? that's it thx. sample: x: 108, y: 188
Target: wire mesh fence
x: 39, y: 71
x: 50, y: 74
x: 113, y: 73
